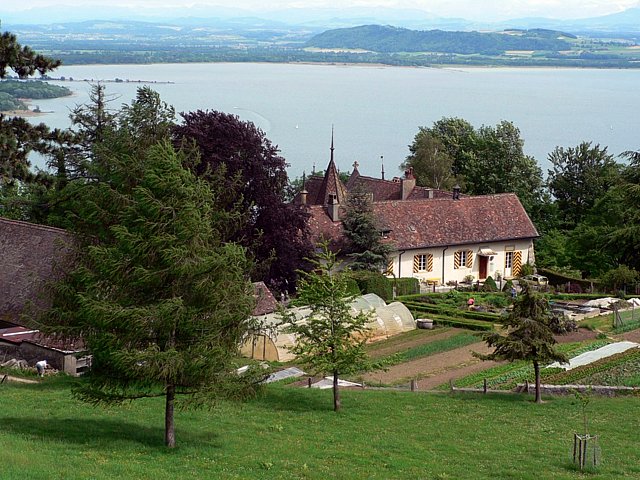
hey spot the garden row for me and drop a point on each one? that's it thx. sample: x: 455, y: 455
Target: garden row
x: 508, y: 375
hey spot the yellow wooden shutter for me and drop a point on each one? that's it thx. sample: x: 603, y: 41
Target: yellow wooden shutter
x: 430, y: 262
x: 470, y: 258
x: 516, y: 266
x: 416, y: 263
x: 456, y: 260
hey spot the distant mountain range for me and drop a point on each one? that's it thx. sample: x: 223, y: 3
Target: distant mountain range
x: 626, y: 23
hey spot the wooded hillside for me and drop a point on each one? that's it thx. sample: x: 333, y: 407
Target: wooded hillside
x: 392, y: 39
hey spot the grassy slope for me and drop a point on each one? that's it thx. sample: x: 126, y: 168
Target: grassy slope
x: 292, y: 433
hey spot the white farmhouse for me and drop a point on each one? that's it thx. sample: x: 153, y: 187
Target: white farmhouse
x: 437, y: 236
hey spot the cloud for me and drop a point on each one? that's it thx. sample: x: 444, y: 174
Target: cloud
x: 479, y: 9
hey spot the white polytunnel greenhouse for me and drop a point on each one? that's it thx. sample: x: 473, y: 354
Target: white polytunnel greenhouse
x: 273, y: 344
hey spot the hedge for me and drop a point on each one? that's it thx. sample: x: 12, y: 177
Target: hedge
x: 559, y: 278
x: 405, y: 286
x: 373, y: 282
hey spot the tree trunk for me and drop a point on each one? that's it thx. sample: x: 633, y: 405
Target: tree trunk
x: 169, y: 427
x: 336, y: 392
x: 536, y: 369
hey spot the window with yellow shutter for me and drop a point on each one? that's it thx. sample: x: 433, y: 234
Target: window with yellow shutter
x: 423, y: 263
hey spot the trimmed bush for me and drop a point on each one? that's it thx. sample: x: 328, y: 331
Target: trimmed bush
x: 489, y: 285
x: 559, y: 278
x: 352, y: 287
x: 373, y: 282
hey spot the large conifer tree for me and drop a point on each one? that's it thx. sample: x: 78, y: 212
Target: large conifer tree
x: 163, y: 302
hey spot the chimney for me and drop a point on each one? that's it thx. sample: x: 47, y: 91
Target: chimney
x: 456, y: 192
x: 408, y: 183
x: 429, y: 193
x: 303, y: 196
x: 333, y: 207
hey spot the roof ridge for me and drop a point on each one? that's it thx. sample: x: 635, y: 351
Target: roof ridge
x: 36, y: 226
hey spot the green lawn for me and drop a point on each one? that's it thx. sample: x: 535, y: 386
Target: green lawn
x: 604, y: 323
x: 291, y: 433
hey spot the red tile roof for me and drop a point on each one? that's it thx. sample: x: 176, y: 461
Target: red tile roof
x: 438, y: 222
x: 17, y: 335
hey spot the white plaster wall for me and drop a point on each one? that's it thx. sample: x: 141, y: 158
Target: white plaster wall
x: 404, y: 268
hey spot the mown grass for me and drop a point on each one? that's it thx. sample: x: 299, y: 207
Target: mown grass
x: 291, y: 433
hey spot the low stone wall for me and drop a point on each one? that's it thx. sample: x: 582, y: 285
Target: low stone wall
x: 603, y: 390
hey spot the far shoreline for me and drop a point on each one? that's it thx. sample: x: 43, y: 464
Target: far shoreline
x: 448, y: 66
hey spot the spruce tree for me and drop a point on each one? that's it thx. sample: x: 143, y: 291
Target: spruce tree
x: 163, y: 302
x: 364, y: 240
x: 331, y: 340
x: 528, y: 335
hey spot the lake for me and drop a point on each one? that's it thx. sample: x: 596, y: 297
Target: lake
x: 376, y: 110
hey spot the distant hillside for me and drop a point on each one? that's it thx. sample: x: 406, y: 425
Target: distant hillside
x: 392, y: 39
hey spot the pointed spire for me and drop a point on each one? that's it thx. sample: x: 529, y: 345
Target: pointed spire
x: 332, y: 149
x: 382, y: 162
x: 331, y: 184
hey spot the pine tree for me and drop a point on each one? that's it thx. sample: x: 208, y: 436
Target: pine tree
x: 528, y: 336
x: 331, y: 339
x: 359, y: 225
x: 163, y: 302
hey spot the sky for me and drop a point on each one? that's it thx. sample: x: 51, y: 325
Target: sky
x: 469, y: 9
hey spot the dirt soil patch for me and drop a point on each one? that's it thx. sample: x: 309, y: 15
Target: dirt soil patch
x: 435, y: 369
x: 403, y: 345
x: 581, y: 335
x: 440, y: 368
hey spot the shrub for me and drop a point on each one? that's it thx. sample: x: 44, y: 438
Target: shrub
x: 498, y: 300
x: 562, y: 324
x: 617, y: 278
x: 489, y: 285
x: 508, y: 285
x: 352, y: 287
x: 373, y: 282
x: 526, y: 269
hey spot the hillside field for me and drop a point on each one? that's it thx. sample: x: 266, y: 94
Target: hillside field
x: 292, y: 433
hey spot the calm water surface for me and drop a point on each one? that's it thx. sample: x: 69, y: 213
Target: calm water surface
x: 376, y: 111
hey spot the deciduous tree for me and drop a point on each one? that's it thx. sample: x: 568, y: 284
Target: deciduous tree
x: 579, y: 177
x: 432, y: 165
x: 275, y: 231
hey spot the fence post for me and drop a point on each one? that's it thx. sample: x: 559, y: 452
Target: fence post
x: 309, y: 382
x: 484, y: 387
x: 414, y: 385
